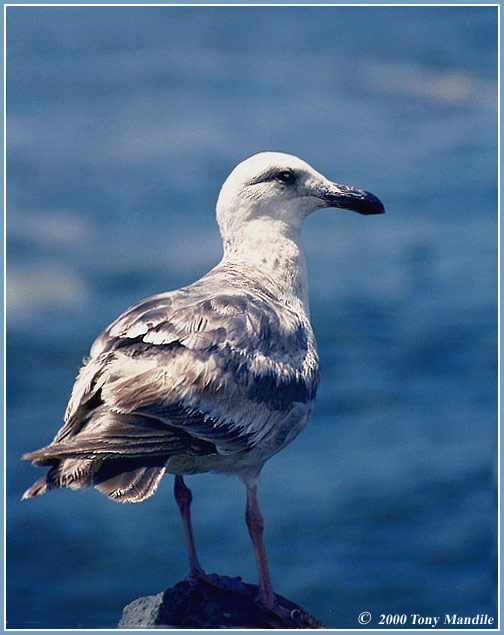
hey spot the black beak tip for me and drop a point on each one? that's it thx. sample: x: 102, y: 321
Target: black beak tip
x: 370, y: 205
x: 355, y: 200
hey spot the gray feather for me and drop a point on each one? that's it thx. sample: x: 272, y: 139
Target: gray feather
x: 205, y: 371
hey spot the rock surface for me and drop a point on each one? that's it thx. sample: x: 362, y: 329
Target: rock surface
x: 229, y: 603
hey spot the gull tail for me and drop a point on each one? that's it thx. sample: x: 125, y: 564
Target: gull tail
x: 125, y: 460
x: 122, y: 482
x: 71, y: 472
x: 125, y: 480
x: 38, y: 488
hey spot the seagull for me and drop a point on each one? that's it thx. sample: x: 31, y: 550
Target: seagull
x: 217, y: 376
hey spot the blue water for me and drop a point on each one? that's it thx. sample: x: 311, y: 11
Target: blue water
x: 122, y: 124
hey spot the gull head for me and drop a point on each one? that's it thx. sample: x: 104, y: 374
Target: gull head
x: 283, y: 189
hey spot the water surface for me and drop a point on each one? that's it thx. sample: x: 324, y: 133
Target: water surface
x: 122, y: 124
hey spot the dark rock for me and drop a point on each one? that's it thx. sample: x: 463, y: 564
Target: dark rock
x: 222, y: 603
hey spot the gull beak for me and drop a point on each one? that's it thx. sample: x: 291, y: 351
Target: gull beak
x: 351, y: 198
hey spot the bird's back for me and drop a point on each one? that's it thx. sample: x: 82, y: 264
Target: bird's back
x: 218, y: 375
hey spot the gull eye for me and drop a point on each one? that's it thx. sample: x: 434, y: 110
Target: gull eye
x: 285, y: 176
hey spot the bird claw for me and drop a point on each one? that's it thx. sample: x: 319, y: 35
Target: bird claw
x: 279, y: 616
x: 304, y: 620
x: 293, y: 618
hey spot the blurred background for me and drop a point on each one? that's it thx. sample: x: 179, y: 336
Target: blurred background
x: 123, y: 122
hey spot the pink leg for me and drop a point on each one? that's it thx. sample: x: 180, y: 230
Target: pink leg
x: 183, y: 497
x: 255, y: 525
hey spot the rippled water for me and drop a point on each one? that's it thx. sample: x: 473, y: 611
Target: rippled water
x: 122, y: 124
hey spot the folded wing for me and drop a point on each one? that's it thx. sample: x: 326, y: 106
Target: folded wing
x: 196, y: 372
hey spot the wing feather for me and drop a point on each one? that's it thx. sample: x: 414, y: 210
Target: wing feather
x: 197, y: 371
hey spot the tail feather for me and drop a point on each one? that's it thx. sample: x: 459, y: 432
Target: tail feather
x: 70, y: 472
x: 38, y: 488
x: 122, y: 480
x: 126, y: 483
x: 122, y: 455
